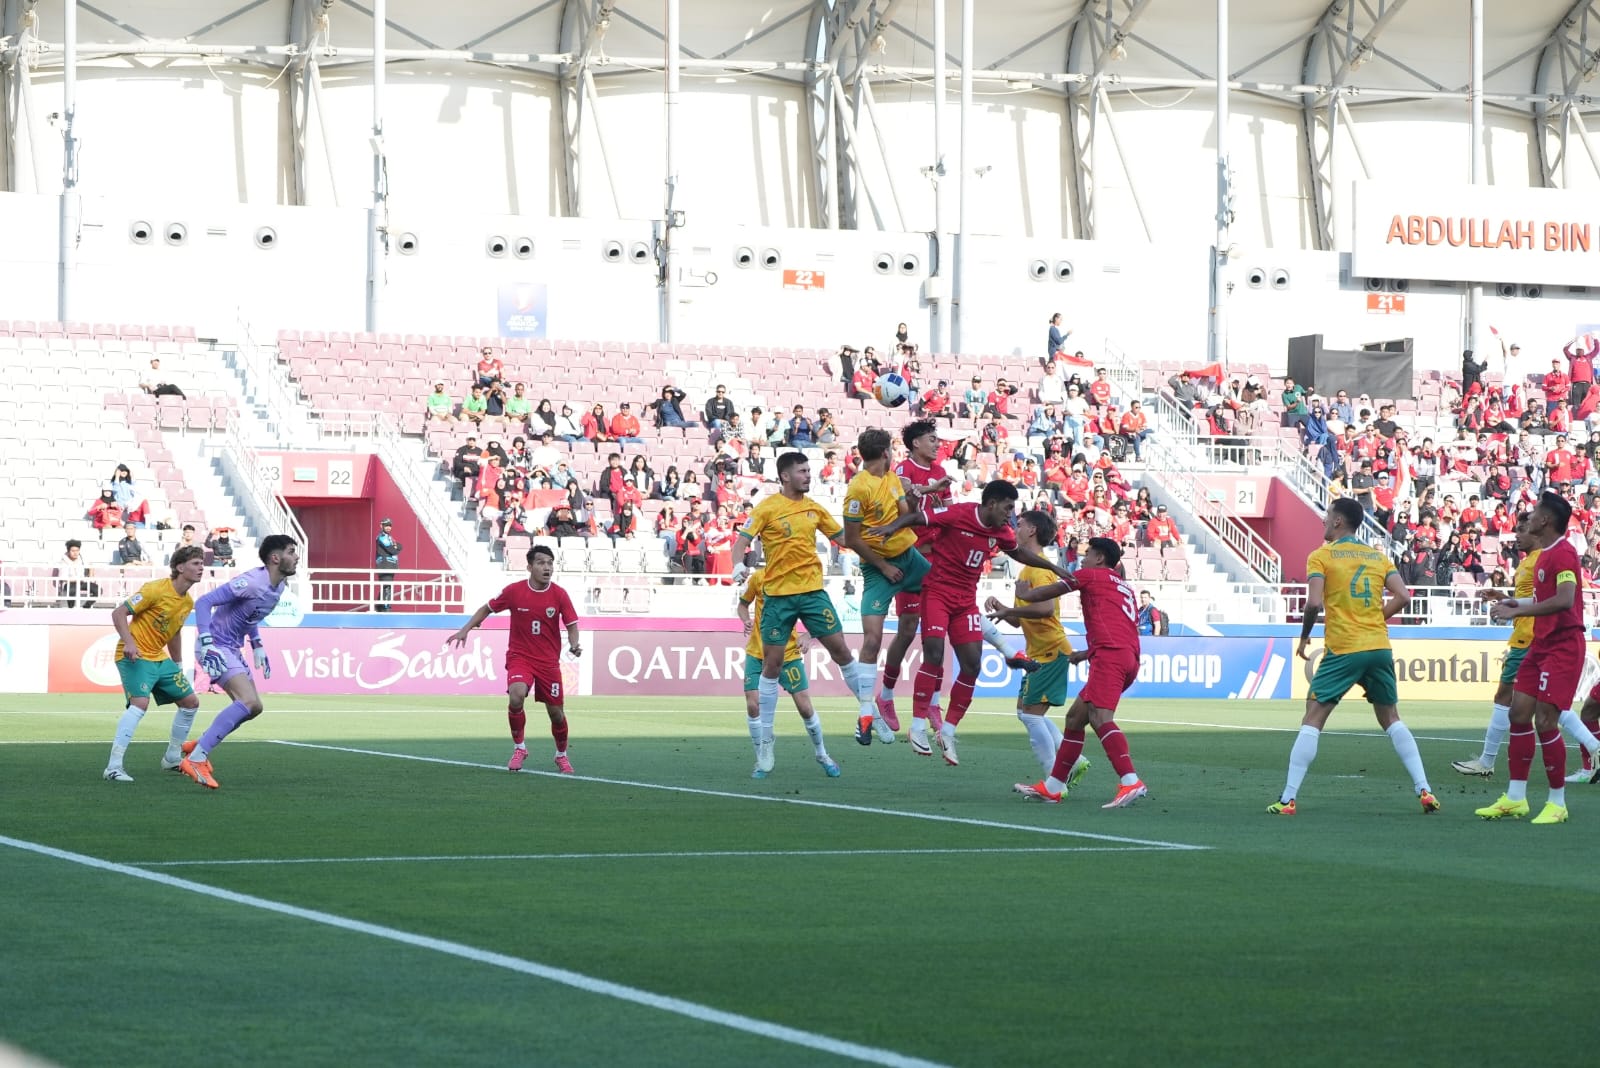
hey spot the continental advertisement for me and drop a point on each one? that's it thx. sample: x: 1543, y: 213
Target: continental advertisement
x: 1436, y: 669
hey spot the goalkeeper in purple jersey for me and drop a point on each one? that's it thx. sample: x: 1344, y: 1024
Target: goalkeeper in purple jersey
x: 226, y: 618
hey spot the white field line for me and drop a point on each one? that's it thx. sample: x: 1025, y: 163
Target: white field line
x: 837, y: 806
x: 680, y: 855
x: 576, y: 980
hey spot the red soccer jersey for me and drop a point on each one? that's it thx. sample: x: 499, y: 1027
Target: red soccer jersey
x: 963, y: 547
x: 1110, y: 613
x: 537, y: 620
x: 918, y: 475
x: 1560, y: 559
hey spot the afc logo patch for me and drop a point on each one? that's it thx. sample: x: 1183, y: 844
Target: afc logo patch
x: 852, y: 507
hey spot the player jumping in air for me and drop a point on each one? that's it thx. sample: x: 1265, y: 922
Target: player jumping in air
x: 1548, y: 678
x: 889, y: 566
x: 1350, y: 579
x: 149, y: 625
x: 539, y: 610
x: 1110, y: 623
x: 969, y: 536
x: 787, y: 523
x: 1047, y: 645
x: 1516, y: 648
x: 226, y: 618
x: 793, y: 680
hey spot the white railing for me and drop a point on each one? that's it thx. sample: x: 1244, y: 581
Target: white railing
x: 331, y: 589
x: 375, y: 590
x: 1456, y: 606
x: 273, y: 392
x: 1221, y: 532
x: 103, y: 585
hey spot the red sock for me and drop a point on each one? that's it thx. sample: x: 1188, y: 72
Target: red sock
x: 1066, y: 756
x: 891, y: 675
x: 558, y: 731
x: 1115, y: 744
x: 1519, y: 751
x: 519, y: 720
x: 928, y: 682
x: 960, y: 698
x: 1555, y: 758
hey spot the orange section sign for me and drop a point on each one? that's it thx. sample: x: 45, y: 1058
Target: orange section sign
x: 804, y: 280
x: 1386, y: 303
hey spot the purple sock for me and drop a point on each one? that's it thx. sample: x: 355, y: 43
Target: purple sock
x: 226, y: 723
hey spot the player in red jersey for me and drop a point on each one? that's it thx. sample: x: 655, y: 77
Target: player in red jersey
x: 539, y: 609
x: 1548, y: 678
x: 1110, y: 621
x: 969, y: 536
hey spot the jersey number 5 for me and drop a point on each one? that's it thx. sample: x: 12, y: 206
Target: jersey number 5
x: 1361, y: 587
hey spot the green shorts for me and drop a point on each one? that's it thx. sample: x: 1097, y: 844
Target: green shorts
x: 1508, y: 669
x: 1372, y: 669
x: 877, y: 592
x: 1048, y: 685
x: 161, y: 679
x: 792, y: 678
x: 814, y: 609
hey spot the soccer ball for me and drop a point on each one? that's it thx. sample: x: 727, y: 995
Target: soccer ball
x: 891, y: 390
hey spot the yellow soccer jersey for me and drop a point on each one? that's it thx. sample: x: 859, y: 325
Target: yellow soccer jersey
x: 158, y: 612
x: 788, y: 533
x: 1522, y: 627
x: 1046, y: 640
x: 1352, y: 575
x: 753, y: 597
x: 875, y: 502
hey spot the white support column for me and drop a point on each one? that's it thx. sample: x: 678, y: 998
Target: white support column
x: 669, y: 252
x: 1480, y: 168
x: 939, y: 310
x: 71, y: 200
x: 963, y: 180
x: 378, y: 214
x: 1219, y: 253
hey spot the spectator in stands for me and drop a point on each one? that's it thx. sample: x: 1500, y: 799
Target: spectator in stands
x: 860, y: 385
x: 641, y: 475
x: 902, y: 336
x: 106, y: 512
x: 566, y: 428
x: 689, y: 554
x: 801, y: 432
x: 494, y: 398
x: 624, y: 525
x: 1053, y: 386
x: 153, y: 382
x: 220, y: 544
x: 441, y: 405
x: 937, y: 403
x: 719, y: 537
x: 975, y: 400
x: 1362, y: 485
x: 1151, y: 620
x: 666, y: 488
x: 475, y: 407
x: 1341, y: 408
x: 1055, y: 341
x: 1471, y: 371
x: 519, y: 461
x: 1135, y: 427
x: 1557, y: 386
x: 755, y: 461
x: 1162, y: 532
x: 187, y: 540
x: 542, y: 457
x: 1295, y: 409
x: 1314, y: 430
x: 129, y: 551
x: 490, y: 369
x: 563, y: 524
x: 73, y: 576
x: 625, y: 426
x: 543, y: 418
x: 596, y: 427
x: 494, y: 486
x: 846, y: 365
x: 518, y: 406
x: 691, y: 489
x: 465, y: 464
x: 1581, y: 353
x: 719, y: 410
x: 827, y: 430
x: 667, y: 409
x: 1383, y: 499
x: 999, y: 399
x: 1075, y: 412
x: 1042, y: 426
x: 667, y: 525
x: 1385, y: 423
x: 1560, y: 418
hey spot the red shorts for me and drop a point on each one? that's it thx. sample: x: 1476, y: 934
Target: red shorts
x: 542, y: 680
x: 1110, y: 674
x: 1550, y: 672
x: 953, y: 615
x: 908, y: 604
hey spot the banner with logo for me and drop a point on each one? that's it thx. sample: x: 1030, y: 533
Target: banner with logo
x: 1436, y: 669
x: 523, y: 309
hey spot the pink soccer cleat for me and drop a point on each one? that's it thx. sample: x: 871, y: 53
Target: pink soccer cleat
x: 518, y: 755
x: 887, y: 714
x: 563, y: 765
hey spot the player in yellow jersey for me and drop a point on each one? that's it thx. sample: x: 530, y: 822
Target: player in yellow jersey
x: 1047, y: 645
x: 149, y: 624
x: 793, y: 679
x: 787, y: 524
x: 1494, y: 735
x: 1350, y: 579
x: 889, y: 566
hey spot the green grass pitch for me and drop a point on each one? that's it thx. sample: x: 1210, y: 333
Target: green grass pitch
x: 663, y: 908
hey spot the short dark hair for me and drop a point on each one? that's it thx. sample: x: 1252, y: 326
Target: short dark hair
x: 998, y: 490
x: 790, y: 460
x: 188, y: 526
x: 541, y: 550
x: 274, y: 543
x: 873, y: 444
x: 1109, y: 550
x: 74, y: 543
x: 183, y: 554
x: 1349, y: 510
x: 1044, y: 524
x: 916, y: 429
x: 1557, y: 508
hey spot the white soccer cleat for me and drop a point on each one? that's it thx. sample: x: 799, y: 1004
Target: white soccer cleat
x: 1475, y: 766
x: 766, y: 758
x: 117, y: 775
x: 1581, y: 775
x: 882, y: 730
x: 919, y: 740
x: 947, y: 749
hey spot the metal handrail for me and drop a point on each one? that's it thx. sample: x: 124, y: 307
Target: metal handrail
x: 243, y: 463
x: 1230, y: 532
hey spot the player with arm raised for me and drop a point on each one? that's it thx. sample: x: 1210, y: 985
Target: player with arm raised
x: 793, y: 680
x: 1110, y: 622
x: 1350, y: 579
x: 1517, y: 648
x: 969, y: 536
x: 1047, y: 645
x: 889, y: 566
x: 539, y: 611
x: 787, y: 523
x: 226, y: 618
x: 1548, y: 678
x: 150, y: 626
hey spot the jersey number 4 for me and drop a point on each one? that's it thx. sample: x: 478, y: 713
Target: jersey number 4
x: 1361, y: 587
